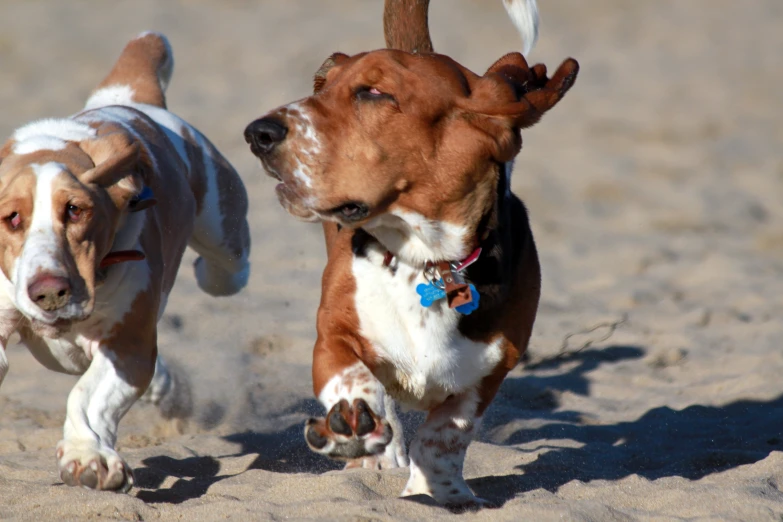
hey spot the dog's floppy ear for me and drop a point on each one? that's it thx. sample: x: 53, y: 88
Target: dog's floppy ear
x: 5, y: 150
x: 537, y: 93
x: 321, y: 75
x: 119, y: 161
x: 113, y: 168
x: 512, y: 96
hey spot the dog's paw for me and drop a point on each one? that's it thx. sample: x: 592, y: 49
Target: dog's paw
x: 463, y: 503
x: 376, y: 462
x: 349, y: 432
x: 457, y: 500
x: 83, y: 463
x: 452, y: 493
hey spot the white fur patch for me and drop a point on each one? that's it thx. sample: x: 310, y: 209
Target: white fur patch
x: 417, y: 239
x: 41, y: 246
x: 111, y: 95
x: 308, y: 144
x: 524, y: 15
x: 431, y: 358
x: 98, y: 391
x: 349, y: 384
x: 37, y: 143
x: 49, y: 134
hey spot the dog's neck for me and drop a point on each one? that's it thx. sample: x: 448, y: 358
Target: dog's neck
x: 416, y: 240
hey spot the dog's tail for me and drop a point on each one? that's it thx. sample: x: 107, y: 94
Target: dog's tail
x: 141, y: 74
x: 524, y: 14
x: 406, y: 27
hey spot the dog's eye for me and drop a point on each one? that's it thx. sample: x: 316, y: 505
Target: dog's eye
x: 73, y: 212
x: 13, y: 220
x: 372, y: 93
x: 352, y: 211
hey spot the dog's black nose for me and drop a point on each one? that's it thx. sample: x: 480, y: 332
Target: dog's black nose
x: 263, y: 135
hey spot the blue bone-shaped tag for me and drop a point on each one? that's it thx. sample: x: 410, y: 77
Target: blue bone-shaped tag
x: 430, y: 293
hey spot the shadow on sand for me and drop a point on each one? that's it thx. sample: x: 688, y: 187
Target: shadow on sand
x: 284, y: 451
x: 690, y: 443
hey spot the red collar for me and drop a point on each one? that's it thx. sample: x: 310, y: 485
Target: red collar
x: 144, y: 200
x: 120, y: 256
x: 459, y: 266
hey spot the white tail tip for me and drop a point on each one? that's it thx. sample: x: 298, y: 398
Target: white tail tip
x: 524, y: 14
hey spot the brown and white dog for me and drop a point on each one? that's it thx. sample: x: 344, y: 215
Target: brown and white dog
x: 88, y: 260
x: 406, y: 159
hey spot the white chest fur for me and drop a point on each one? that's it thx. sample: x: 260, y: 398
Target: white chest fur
x: 431, y: 358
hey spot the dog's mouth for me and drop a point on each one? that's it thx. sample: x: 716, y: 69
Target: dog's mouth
x: 271, y: 171
x: 73, y: 313
x: 294, y: 203
x: 51, y: 328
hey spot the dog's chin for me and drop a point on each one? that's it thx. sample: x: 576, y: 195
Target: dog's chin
x: 52, y: 329
x: 290, y: 202
x: 54, y: 325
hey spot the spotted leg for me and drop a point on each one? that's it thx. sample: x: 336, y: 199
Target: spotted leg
x: 86, y: 455
x: 361, y: 426
x: 437, y: 453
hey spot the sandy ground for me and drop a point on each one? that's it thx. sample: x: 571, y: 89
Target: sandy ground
x: 655, y: 192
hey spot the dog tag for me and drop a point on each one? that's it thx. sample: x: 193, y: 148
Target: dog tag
x: 429, y: 294
x: 470, y: 306
x: 144, y: 200
x: 459, y: 279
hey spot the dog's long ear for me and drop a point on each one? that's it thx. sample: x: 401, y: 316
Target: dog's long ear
x: 538, y: 93
x: 512, y: 96
x: 322, y: 74
x: 5, y: 150
x: 119, y: 163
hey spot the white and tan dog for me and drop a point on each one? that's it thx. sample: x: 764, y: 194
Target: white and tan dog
x: 88, y: 259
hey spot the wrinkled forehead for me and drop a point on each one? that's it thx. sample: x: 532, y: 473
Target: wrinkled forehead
x: 34, y: 180
x: 417, y: 74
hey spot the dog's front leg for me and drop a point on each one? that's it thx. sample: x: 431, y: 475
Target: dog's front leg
x: 3, y: 362
x: 361, y: 426
x: 86, y: 455
x: 437, y: 452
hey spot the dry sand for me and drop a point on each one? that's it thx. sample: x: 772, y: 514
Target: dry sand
x: 655, y: 192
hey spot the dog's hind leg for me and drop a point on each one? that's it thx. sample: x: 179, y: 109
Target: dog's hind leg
x: 3, y: 363
x: 437, y: 452
x: 221, y: 234
x: 170, y: 391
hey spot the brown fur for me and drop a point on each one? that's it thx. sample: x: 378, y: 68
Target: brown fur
x: 436, y: 158
x: 401, y: 133
x: 406, y: 27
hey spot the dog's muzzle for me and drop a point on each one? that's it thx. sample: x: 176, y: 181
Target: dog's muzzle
x: 264, y: 135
